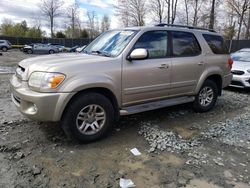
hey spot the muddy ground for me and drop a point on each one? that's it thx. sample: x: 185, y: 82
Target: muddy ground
x: 213, y: 148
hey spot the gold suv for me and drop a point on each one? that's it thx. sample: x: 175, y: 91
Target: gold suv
x: 122, y: 72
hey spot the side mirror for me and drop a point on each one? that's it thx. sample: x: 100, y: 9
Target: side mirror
x: 138, y: 54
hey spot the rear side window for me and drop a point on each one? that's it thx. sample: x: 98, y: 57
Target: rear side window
x: 216, y: 44
x: 155, y: 42
x: 185, y: 44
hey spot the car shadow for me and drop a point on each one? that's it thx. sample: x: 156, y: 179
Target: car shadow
x: 238, y: 90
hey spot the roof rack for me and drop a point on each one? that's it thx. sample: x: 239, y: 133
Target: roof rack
x: 183, y: 26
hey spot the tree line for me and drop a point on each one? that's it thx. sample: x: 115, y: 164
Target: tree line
x: 51, y: 11
x: 231, y: 17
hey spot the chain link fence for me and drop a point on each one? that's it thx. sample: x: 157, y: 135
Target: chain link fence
x: 233, y: 45
x: 62, y: 41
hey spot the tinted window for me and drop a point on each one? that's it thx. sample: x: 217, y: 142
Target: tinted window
x: 185, y: 44
x: 155, y: 42
x: 216, y: 44
x: 1, y: 42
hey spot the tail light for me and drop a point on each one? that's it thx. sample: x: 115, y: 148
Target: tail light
x: 230, y: 63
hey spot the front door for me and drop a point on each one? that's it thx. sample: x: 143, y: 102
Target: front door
x: 148, y: 79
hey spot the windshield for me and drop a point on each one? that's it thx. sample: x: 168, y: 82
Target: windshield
x: 241, y: 56
x: 110, y: 43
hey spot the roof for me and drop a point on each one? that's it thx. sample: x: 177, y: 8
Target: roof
x: 174, y: 27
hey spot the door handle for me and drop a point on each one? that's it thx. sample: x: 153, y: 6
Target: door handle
x: 163, y: 66
x: 201, y: 63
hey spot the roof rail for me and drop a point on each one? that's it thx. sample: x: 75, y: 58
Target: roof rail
x: 183, y: 26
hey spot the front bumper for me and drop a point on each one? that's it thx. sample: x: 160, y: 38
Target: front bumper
x: 241, y: 81
x: 36, y: 105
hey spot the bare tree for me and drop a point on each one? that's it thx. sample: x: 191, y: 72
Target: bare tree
x: 157, y: 9
x: 195, y: 18
x: 248, y: 26
x: 212, y: 15
x: 105, y: 25
x: 122, y: 12
x: 240, y: 7
x: 51, y: 9
x: 186, y: 10
x: 168, y: 7
x: 93, y: 24
x: 133, y: 11
x: 171, y: 10
x: 73, y: 14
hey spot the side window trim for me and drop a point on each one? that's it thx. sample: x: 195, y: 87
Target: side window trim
x: 168, y: 42
x: 172, y: 48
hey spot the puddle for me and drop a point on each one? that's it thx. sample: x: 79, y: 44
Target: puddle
x: 7, y: 70
x: 197, y: 183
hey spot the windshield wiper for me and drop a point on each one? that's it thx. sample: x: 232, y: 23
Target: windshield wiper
x: 101, y: 53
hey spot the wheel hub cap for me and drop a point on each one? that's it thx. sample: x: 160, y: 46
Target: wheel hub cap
x: 91, y: 119
x: 206, y: 96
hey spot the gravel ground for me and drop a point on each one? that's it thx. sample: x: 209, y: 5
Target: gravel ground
x: 180, y: 148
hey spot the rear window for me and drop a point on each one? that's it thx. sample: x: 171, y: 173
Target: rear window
x: 216, y: 44
x: 185, y: 44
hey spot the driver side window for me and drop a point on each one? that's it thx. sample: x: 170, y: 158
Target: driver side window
x: 155, y: 42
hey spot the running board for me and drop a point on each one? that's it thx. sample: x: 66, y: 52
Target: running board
x: 155, y: 105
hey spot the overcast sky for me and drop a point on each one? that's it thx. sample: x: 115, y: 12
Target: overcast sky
x: 19, y: 10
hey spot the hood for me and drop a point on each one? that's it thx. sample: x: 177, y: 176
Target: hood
x: 60, y: 62
x: 241, y: 65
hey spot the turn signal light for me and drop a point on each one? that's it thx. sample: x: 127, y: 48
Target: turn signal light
x: 56, y: 80
x: 230, y: 63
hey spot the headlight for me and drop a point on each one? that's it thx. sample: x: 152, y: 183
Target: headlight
x: 45, y: 80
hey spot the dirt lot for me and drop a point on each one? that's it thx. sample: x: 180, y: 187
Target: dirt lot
x: 179, y: 148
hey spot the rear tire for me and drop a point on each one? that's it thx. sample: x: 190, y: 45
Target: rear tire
x: 4, y: 49
x: 206, y: 97
x: 51, y: 52
x: 29, y: 51
x: 89, y: 117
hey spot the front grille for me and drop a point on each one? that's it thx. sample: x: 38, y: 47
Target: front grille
x: 19, y: 72
x: 236, y: 83
x: 16, y: 100
x: 237, y: 72
x: 22, y: 69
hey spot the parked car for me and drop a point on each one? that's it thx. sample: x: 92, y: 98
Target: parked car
x: 38, y: 48
x: 122, y: 72
x: 26, y: 47
x: 73, y: 49
x: 80, y: 49
x: 5, y: 45
x: 241, y: 68
x: 59, y: 46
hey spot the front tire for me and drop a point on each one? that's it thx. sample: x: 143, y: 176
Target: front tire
x: 89, y: 117
x: 207, y: 97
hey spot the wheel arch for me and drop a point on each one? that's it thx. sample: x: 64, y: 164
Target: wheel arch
x: 217, y: 80
x: 215, y: 77
x: 101, y: 90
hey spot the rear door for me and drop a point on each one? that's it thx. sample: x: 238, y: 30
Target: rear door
x: 148, y: 79
x: 187, y: 63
